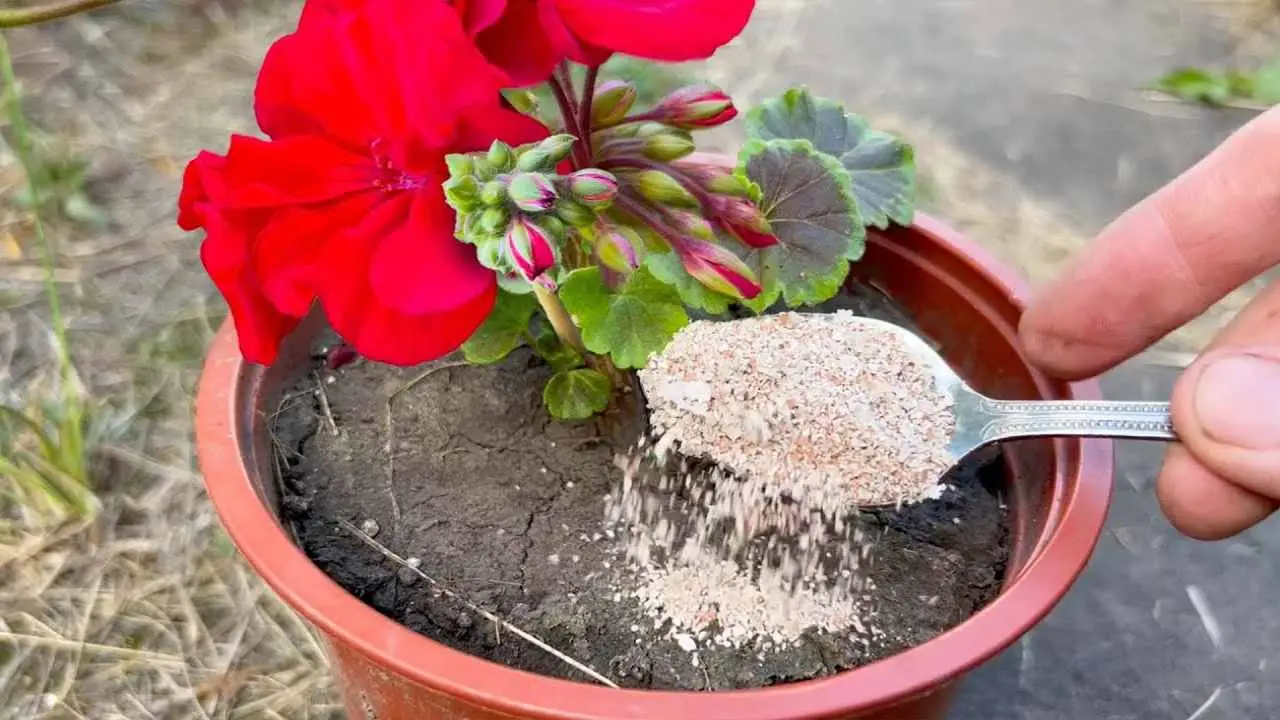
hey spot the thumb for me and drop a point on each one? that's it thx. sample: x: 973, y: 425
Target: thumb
x: 1226, y: 408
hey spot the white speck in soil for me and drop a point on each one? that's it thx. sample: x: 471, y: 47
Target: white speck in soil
x: 369, y: 527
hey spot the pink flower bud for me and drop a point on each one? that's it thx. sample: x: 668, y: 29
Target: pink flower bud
x: 718, y: 269
x: 532, y: 192
x: 593, y: 187
x: 616, y: 248
x: 530, y: 248
x: 613, y: 100
x: 744, y: 221
x: 696, y: 106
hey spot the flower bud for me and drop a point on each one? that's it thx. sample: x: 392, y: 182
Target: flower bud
x: 482, y: 169
x: 500, y: 156
x: 670, y: 145
x: 719, y: 269
x: 532, y: 192
x: 493, y: 193
x: 462, y: 192
x: 693, y: 225
x: 613, y: 100
x: 493, y: 219
x: 491, y: 253
x: 556, y: 148
x: 659, y: 187
x: 522, y: 101
x: 744, y: 221
x: 696, y: 106
x: 574, y: 213
x: 731, y: 184
x: 534, y: 160
x: 460, y: 165
x: 554, y: 227
x: 529, y: 248
x: 616, y: 248
x: 593, y: 188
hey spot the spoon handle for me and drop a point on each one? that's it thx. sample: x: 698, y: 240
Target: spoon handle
x: 1010, y: 419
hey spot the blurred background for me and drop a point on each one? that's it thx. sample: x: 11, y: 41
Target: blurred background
x: 1035, y: 123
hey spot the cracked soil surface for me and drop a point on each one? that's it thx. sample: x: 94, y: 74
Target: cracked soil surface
x: 506, y: 509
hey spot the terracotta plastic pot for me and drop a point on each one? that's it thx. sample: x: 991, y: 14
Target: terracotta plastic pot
x: 959, y: 295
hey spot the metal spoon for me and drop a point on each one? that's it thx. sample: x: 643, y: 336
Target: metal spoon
x: 981, y: 420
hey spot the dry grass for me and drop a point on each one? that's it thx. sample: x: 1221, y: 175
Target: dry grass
x: 145, y: 611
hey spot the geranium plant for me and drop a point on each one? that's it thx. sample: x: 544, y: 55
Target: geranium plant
x: 414, y: 185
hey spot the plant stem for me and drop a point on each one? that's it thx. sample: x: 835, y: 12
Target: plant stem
x: 559, y: 318
x: 562, y: 89
x: 22, y: 147
x: 13, y: 17
x: 584, y: 114
x: 72, y: 401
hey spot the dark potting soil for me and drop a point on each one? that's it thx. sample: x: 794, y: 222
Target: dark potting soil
x: 505, y: 508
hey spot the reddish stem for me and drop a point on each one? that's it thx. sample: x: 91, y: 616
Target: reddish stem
x: 584, y: 113
x: 562, y: 89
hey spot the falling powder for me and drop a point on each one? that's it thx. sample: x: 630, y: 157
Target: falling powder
x: 743, y: 537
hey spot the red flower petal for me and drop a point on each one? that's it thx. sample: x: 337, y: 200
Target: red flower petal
x: 519, y: 46
x: 260, y: 326
x: 478, y: 15
x: 360, y: 76
x: 480, y: 127
x: 378, y: 331
x: 307, y: 86
x: 420, y: 268
x: 291, y: 171
x: 671, y: 30
x: 562, y: 36
x: 286, y: 253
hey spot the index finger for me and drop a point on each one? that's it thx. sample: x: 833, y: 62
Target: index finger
x: 1166, y: 260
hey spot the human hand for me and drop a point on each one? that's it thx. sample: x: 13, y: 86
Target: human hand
x: 1159, y: 265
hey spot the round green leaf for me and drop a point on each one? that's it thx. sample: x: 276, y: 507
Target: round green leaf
x: 808, y: 201
x: 576, y: 394
x: 881, y: 167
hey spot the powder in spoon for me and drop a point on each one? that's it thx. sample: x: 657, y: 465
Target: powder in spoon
x: 828, y: 411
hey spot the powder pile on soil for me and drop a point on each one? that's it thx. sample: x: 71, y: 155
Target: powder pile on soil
x: 827, y: 410
x: 719, y: 559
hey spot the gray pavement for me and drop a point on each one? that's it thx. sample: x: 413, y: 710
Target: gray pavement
x: 1159, y: 626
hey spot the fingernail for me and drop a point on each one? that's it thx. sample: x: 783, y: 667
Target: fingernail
x: 1237, y: 401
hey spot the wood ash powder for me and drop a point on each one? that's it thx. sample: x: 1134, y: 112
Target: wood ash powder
x: 834, y: 412
x: 804, y: 418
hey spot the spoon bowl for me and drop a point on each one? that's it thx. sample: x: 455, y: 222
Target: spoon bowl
x: 981, y: 421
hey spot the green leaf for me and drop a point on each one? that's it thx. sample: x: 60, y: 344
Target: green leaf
x: 1196, y: 85
x: 881, y: 167
x: 502, y: 331
x: 667, y: 268
x: 637, y: 320
x: 552, y: 350
x: 809, y: 203
x: 576, y: 394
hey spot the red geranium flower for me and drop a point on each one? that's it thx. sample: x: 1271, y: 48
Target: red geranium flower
x: 528, y: 38
x: 344, y: 202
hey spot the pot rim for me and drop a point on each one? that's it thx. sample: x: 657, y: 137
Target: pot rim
x: 223, y: 441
